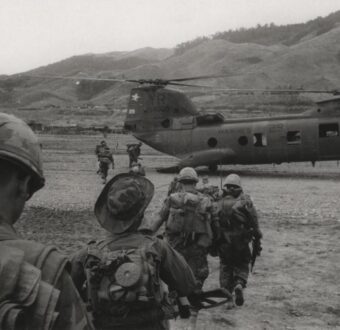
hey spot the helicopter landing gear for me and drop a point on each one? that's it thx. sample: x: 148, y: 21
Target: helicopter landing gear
x: 213, y: 168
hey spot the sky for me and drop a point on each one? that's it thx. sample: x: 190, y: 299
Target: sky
x: 40, y: 32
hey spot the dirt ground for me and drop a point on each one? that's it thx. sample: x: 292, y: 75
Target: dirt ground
x: 296, y: 281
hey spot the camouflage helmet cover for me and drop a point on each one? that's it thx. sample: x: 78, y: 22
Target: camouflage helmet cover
x: 187, y: 174
x: 19, y: 145
x: 232, y: 179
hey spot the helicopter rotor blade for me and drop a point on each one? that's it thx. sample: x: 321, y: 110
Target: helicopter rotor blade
x: 78, y: 78
x: 187, y: 85
x: 200, y: 77
x: 272, y: 91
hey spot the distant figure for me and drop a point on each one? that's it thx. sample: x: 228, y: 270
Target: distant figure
x: 105, y: 158
x: 208, y: 189
x: 137, y: 168
x: 133, y: 151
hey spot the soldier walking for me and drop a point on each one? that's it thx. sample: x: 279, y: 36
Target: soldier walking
x: 36, y: 290
x: 123, y: 272
x: 187, y: 218
x: 239, y: 227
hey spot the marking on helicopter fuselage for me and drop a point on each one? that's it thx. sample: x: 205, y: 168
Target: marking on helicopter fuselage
x: 135, y: 97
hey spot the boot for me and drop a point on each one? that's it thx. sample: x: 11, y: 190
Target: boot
x: 239, y: 299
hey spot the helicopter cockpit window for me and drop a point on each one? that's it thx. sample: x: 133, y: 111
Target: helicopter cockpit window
x: 328, y: 130
x: 259, y: 140
x: 293, y: 137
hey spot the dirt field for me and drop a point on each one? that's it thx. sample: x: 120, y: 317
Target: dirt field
x: 296, y: 282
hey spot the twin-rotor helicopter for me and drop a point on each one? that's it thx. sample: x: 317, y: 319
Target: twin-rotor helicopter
x: 168, y: 121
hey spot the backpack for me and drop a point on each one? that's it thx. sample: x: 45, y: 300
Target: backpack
x: 190, y: 214
x: 122, y: 285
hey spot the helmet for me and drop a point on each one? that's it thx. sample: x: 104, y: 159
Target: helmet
x: 233, y: 179
x: 187, y: 174
x: 19, y: 145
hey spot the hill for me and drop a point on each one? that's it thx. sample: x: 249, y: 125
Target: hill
x: 301, y: 55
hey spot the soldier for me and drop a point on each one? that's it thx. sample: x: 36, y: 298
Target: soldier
x: 122, y: 272
x: 133, y: 151
x: 105, y: 159
x: 36, y: 290
x: 208, y: 189
x: 187, y: 217
x: 100, y: 147
x: 238, y: 227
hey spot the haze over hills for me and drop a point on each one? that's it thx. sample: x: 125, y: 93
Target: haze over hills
x: 305, y: 55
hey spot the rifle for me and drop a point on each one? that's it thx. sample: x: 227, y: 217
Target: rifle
x: 257, y: 248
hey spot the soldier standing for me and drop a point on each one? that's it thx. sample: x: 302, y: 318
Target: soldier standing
x: 122, y: 272
x: 187, y: 217
x: 36, y: 290
x: 238, y: 227
x: 105, y: 159
x: 133, y: 151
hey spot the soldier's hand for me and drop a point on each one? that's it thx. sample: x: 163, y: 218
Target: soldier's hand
x: 184, y: 311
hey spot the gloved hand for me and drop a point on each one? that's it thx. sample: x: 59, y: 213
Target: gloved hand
x: 195, y: 300
x: 184, y: 311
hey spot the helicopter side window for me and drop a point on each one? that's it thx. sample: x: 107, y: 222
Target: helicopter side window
x: 293, y: 137
x: 259, y: 140
x: 328, y: 130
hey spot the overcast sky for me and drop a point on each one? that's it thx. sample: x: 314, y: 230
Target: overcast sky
x: 40, y: 32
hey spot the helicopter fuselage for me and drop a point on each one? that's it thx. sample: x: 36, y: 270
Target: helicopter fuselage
x: 202, y: 140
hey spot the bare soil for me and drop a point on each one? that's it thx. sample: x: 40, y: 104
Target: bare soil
x: 296, y: 281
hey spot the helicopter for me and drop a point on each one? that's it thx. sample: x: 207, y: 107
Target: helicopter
x: 168, y: 121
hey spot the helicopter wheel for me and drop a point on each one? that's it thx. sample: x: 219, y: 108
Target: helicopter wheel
x: 213, y: 168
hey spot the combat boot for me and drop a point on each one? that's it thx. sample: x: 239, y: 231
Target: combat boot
x: 239, y: 299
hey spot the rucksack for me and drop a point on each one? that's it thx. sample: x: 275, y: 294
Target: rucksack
x: 189, y: 214
x: 122, y: 285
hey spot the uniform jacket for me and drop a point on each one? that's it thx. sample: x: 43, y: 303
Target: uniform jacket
x: 238, y: 217
x: 35, y: 283
x: 173, y: 270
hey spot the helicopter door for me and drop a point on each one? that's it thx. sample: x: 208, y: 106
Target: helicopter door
x: 260, y: 143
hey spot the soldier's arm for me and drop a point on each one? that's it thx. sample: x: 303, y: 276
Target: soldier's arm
x: 71, y: 308
x: 254, y: 218
x: 78, y: 270
x: 162, y: 216
x: 174, y: 271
